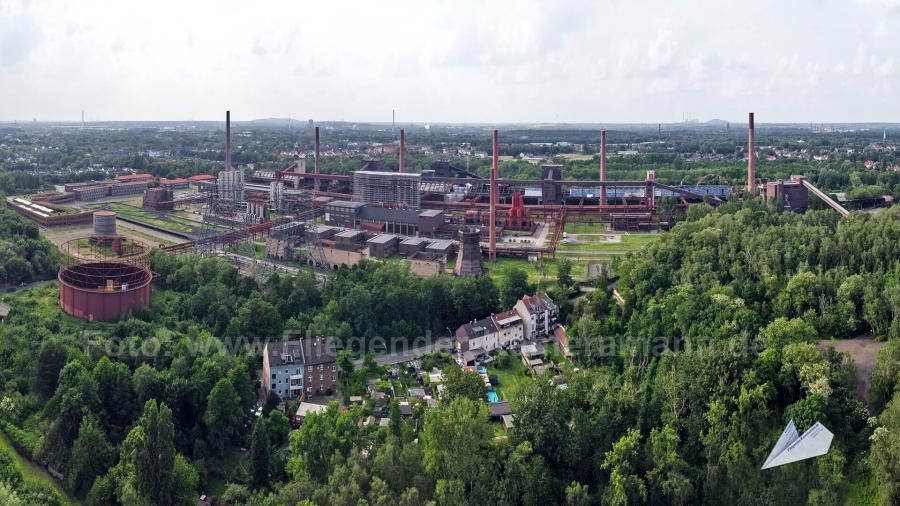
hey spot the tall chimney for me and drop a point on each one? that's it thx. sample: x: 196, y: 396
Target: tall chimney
x: 751, y: 160
x: 402, y: 148
x: 228, y: 140
x: 316, y: 185
x: 602, y: 167
x: 495, y: 171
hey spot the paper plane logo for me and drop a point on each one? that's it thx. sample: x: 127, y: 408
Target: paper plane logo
x: 791, y: 447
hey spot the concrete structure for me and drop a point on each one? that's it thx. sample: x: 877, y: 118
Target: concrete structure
x: 383, y: 245
x: 343, y: 213
x: 539, y: 315
x: 751, y: 158
x: 495, y: 174
x: 424, y: 265
x: 412, y: 245
x: 602, y: 165
x: 104, y: 224
x: 787, y: 195
x: 228, y: 141
x: 231, y: 186
x: 160, y: 199
x: 300, y: 369
x: 468, y: 260
x: 103, y: 278
x: 352, y: 240
x: 387, y: 189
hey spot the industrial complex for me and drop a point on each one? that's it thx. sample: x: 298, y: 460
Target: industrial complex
x: 440, y: 220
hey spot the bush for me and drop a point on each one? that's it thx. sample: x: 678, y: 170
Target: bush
x: 24, y: 441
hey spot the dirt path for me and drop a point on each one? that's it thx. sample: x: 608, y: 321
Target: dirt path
x: 862, y: 350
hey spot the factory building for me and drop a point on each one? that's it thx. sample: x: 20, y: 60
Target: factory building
x: 412, y: 222
x: 135, y: 178
x: 787, y: 195
x: 175, y: 184
x: 387, y: 189
x: 231, y: 186
x: 94, y: 190
x: 383, y: 245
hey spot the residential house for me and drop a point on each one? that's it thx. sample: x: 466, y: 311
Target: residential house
x: 539, y: 315
x: 477, y: 337
x: 510, y: 329
x: 299, y: 369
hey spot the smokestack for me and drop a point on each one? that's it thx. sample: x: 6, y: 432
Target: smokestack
x: 495, y: 171
x: 228, y: 140
x: 602, y: 167
x: 316, y: 185
x: 751, y: 160
x: 402, y: 148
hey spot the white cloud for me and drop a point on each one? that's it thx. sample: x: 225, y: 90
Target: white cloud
x: 461, y: 60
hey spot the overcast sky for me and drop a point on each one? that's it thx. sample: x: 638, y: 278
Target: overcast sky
x: 452, y: 61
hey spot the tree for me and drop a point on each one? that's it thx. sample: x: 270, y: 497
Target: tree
x: 454, y: 440
x: 461, y: 383
x: 515, y: 285
x: 259, y: 454
x: 223, y: 415
x: 91, y: 456
x: 50, y: 361
x: 577, y: 495
x: 625, y: 484
x: 151, y: 449
x: 564, y: 273
x: 885, y: 457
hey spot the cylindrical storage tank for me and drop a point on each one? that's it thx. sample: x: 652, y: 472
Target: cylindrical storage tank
x: 104, y: 224
x: 103, y: 291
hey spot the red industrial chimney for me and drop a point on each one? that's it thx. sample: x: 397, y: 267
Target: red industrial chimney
x: 228, y: 141
x: 495, y: 172
x: 316, y: 185
x: 402, y: 148
x: 602, y: 167
x: 751, y: 160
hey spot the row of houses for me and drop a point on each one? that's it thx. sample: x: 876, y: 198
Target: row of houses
x: 300, y: 369
x: 531, y: 318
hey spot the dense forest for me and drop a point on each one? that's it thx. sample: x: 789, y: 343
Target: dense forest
x: 24, y: 255
x: 674, y: 398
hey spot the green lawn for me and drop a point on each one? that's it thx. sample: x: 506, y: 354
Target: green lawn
x: 629, y: 242
x: 509, y: 379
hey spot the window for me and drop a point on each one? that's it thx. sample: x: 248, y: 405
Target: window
x: 334, y: 377
x: 321, y: 367
x: 309, y: 389
x: 273, y: 375
x: 333, y: 367
x: 321, y: 377
x: 309, y: 378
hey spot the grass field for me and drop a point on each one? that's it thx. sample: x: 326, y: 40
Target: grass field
x: 159, y: 219
x: 628, y: 242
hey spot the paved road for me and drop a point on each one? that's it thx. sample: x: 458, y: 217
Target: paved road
x: 592, y: 252
x: 36, y: 284
x: 411, y: 354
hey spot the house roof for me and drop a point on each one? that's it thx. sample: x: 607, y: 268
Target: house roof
x: 202, y: 177
x: 499, y: 409
x: 303, y: 352
x: 132, y: 177
x: 306, y: 408
x: 539, y: 303
x: 507, y: 318
x: 346, y: 204
x: 479, y: 328
x: 177, y: 180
